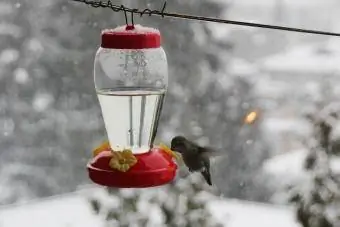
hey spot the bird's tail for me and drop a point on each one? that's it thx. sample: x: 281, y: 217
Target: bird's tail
x: 207, y: 177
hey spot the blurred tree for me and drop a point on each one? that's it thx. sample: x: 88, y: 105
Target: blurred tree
x: 317, y: 200
x: 50, y: 122
x: 181, y: 203
x: 49, y: 110
x: 22, y: 72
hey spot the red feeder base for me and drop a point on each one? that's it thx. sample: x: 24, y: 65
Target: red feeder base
x: 154, y: 168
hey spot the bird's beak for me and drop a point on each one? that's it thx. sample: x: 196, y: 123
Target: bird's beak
x: 174, y: 149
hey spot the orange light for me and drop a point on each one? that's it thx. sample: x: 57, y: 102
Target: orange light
x: 251, y: 117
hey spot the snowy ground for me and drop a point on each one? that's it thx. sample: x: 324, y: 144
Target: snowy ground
x: 237, y: 213
x: 73, y: 210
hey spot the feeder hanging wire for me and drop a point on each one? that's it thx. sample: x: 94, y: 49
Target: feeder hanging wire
x: 118, y: 8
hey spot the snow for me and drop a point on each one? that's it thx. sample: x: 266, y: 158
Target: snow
x: 8, y: 56
x: 10, y: 29
x: 42, y: 101
x: 69, y: 211
x: 270, y: 3
x: 21, y: 76
x: 282, y: 125
x: 235, y: 213
x: 238, y: 66
x: 7, y: 126
x: 304, y: 59
x: 5, y: 8
x: 221, y: 31
x: 138, y: 29
x: 73, y: 210
x: 288, y: 168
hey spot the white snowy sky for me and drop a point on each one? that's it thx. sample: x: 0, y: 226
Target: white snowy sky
x: 269, y: 3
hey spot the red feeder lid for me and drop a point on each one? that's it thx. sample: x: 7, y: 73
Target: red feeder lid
x: 131, y: 37
x: 153, y: 169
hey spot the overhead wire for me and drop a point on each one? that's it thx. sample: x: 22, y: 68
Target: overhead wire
x: 163, y: 13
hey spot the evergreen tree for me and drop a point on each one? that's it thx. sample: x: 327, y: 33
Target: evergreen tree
x: 48, y: 101
x: 317, y: 200
x: 181, y: 203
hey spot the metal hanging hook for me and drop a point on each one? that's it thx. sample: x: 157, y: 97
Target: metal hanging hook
x: 126, y: 18
x: 132, y: 21
x: 128, y: 26
x: 132, y: 26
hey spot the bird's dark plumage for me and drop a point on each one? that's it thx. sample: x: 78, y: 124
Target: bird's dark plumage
x: 195, y: 157
x: 206, y: 171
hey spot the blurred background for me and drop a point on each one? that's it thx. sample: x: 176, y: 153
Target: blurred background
x: 282, y: 170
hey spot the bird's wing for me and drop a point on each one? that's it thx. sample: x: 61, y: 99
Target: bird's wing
x: 211, y: 152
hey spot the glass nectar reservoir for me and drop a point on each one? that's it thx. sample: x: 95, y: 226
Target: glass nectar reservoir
x: 131, y: 79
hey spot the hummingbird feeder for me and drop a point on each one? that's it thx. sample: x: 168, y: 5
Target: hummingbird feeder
x: 131, y: 80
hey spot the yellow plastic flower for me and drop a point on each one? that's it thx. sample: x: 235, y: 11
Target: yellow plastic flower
x: 105, y: 146
x: 122, y: 160
x: 169, y: 151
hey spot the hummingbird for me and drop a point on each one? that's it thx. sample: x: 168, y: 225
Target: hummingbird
x: 195, y: 157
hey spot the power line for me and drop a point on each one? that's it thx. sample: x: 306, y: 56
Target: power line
x: 162, y: 13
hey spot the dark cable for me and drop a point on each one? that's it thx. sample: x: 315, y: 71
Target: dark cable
x: 162, y: 13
